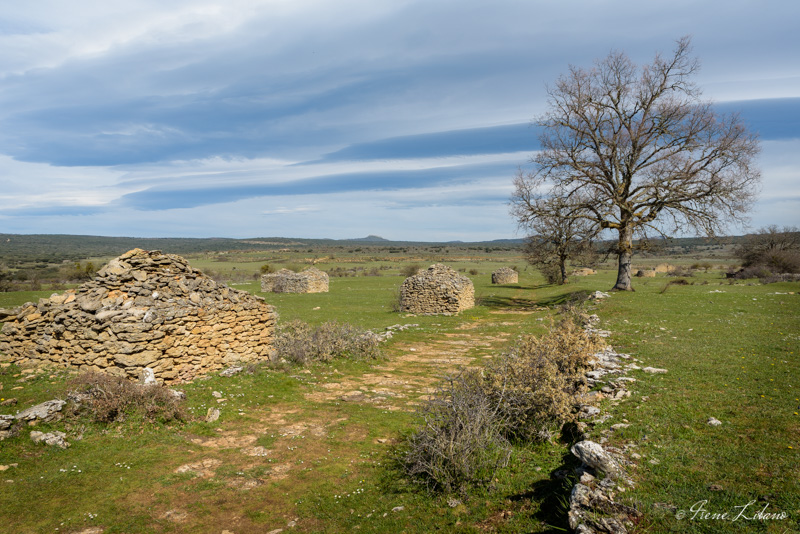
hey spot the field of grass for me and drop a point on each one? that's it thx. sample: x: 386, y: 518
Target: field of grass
x: 311, y: 449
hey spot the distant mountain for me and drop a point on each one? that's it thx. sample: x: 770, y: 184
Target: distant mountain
x: 371, y: 238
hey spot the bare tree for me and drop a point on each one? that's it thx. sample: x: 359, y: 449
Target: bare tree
x: 555, y: 233
x: 636, y: 149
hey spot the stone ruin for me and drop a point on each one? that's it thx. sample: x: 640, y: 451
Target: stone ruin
x: 143, y: 310
x: 505, y: 275
x: 311, y: 280
x: 439, y: 290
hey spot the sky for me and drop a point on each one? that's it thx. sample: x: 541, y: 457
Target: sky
x: 405, y: 119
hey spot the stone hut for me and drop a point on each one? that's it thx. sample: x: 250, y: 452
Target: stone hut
x: 311, y: 280
x: 439, y: 290
x: 505, y: 275
x: 143, y: 310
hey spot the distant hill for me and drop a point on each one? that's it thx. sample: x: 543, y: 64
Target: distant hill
x: 44, y: 248
x: 371, y: 239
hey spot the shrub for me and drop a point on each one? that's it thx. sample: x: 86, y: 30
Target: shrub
x: 459, y: 442
x: 527, y: 394
x: 535, y: 382
x: 266, y: 269
x: 473, y: 272
x: 772, y: 249
x: 298, y: 342
x: 109, y: 398
x: 410, y: 270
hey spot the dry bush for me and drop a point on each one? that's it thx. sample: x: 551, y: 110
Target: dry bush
x: 108, y: 398
x: 525, y: 394
x: 410, y: 270
x: 535, y: 382
x: 298, y: 342
x: 459, y: 442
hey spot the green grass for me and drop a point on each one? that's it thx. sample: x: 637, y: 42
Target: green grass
x: 723, y: 351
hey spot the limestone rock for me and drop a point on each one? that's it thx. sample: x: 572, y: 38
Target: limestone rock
x: 47, y: 411
x: 593, y: 455
x: 310, y: 280
x: 439, y: 290
x: 54, y: 439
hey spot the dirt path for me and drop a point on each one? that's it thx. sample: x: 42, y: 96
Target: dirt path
x: 289, y: 441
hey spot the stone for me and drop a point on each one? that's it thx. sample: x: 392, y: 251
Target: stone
x: 230, y: 371
x: 439, y: 290
x: 54, y: 439
x: 6, y: 421
x: 713, y: 421
x: 654, y: 370
x: 148, y: 377
x: 598, y: 295
x: 212, y: 415
x: 310, y: 280
x: 593, y: 455
x: 47, y: 411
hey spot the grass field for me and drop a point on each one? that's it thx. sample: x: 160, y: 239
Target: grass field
x: 310, y: 449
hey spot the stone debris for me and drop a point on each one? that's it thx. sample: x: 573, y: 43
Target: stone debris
x: 143, y: 310
x: 230, y: 371
x: 212, y: 415
x: 598, y: 295
x: 713, y: 421
x: 585, y: 271
x: 54, y: 439
x: 46, y: 412
x: 438, y: 290
x: 592, y: 508
x: 654, y: 370
x: 594, y: 456
x: 389, y: 331
x: 505, y: 275
x: 310, y: 280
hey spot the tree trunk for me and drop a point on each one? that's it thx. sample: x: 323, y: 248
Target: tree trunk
x: 625, y: 252
x: 563, y: 265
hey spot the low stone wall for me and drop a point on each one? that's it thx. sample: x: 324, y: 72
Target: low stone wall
x: 144, y: 309
x: 505, y: 275
x: 311, y: 280
x: 439, y: 290
x: 584, y: 271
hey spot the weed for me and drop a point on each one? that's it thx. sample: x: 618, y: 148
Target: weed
x: 109, y: 398
x: 298, y: 342
x: 535, y: 382
x: 459, y: 442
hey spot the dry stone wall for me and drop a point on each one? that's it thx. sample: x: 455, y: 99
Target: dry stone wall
x: 144, y: 309
x: 505, y: 275
x: 311, y: 280
x: 439, y: 290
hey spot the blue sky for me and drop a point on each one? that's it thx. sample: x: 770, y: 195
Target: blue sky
x: 323, y: 119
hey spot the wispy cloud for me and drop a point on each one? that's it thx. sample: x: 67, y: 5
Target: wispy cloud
x: 137, y: 115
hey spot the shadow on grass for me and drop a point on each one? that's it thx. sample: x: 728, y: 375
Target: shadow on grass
x: 552, y: 495
x: 518, y: 303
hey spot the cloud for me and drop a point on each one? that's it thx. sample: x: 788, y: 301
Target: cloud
x: 141, y: 116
